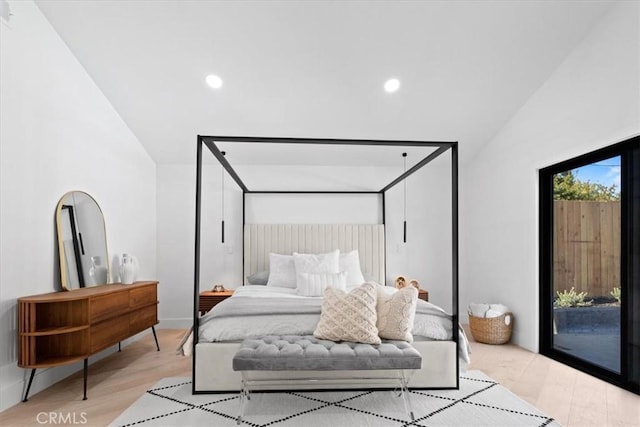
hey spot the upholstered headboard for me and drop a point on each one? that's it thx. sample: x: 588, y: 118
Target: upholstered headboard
x: 262, y: 239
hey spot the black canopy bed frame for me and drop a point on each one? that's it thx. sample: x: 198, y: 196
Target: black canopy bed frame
x: 211, y: 143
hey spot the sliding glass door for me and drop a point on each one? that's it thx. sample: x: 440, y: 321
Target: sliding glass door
x: 589, y: 263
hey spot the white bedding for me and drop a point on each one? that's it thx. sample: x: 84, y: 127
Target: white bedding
x: 212, y: 329
x: 266, y: 292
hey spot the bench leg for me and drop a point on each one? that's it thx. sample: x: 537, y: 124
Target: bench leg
x: 244, y: 396
x: 404, y: 391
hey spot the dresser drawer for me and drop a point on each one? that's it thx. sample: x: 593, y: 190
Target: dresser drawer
x: 107, y: 306
x: 142, y: 319
x: 109, y: 333
x: 142, y: 296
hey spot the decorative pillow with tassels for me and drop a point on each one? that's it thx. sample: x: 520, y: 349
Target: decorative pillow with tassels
x: 349, y: 316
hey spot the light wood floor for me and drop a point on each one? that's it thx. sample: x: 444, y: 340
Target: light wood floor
x: 569, y: 396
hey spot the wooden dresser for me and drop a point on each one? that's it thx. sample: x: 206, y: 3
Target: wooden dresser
x: 59, y: 328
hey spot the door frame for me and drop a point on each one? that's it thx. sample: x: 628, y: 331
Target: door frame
x: 628, y: 150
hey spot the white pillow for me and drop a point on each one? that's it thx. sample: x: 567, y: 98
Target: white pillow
x: 314, y: 284
x: 282, y: 271
x: 349, y: 316
x: 396, y: 310
x: 316, y: 263
x: 258, y: 278
x: 350, y: 262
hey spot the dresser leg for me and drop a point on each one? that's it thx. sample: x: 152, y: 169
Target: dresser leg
x: 155, y: 337
x: 26, y: 394
x: 86, y: 373
x: 119, y: 348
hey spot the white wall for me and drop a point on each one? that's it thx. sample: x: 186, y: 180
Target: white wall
x: 58, y: 133
x: 313, y: 209
x: 590, y: 101
x: 426, y: 256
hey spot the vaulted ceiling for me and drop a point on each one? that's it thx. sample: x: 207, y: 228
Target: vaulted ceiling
x: 316, y: 68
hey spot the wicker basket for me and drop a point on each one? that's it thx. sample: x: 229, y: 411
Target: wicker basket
x: 491, y: 330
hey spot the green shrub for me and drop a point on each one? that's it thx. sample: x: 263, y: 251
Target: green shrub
x: 616, y: 294
x: 571, y: 299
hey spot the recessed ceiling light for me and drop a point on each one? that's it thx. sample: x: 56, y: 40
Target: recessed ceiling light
x: 392, y: 85
x: 214, y: 81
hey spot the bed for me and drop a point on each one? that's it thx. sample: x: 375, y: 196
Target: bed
x: 258, y: 310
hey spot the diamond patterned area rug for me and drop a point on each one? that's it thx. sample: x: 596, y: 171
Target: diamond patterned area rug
x: 480, y: 401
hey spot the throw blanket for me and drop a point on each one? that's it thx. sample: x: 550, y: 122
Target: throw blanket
x: 241, y: 317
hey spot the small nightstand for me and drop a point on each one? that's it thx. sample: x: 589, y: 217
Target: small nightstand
x: 422, y: 294
x: 209, y: 299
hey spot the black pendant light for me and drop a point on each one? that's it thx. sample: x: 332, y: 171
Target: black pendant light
x: 222, y: 201
x: 404, y: 199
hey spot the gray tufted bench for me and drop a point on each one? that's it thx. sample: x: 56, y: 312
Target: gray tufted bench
x: 307, y: 353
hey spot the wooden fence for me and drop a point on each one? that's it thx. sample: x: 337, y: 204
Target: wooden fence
x: 586, y: 244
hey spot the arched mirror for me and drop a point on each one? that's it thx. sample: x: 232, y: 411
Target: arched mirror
x: 82, y: 241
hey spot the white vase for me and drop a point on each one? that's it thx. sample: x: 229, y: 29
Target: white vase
x: 128, y: 269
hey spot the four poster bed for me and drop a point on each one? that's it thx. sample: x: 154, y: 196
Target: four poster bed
x: 278, y: 308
